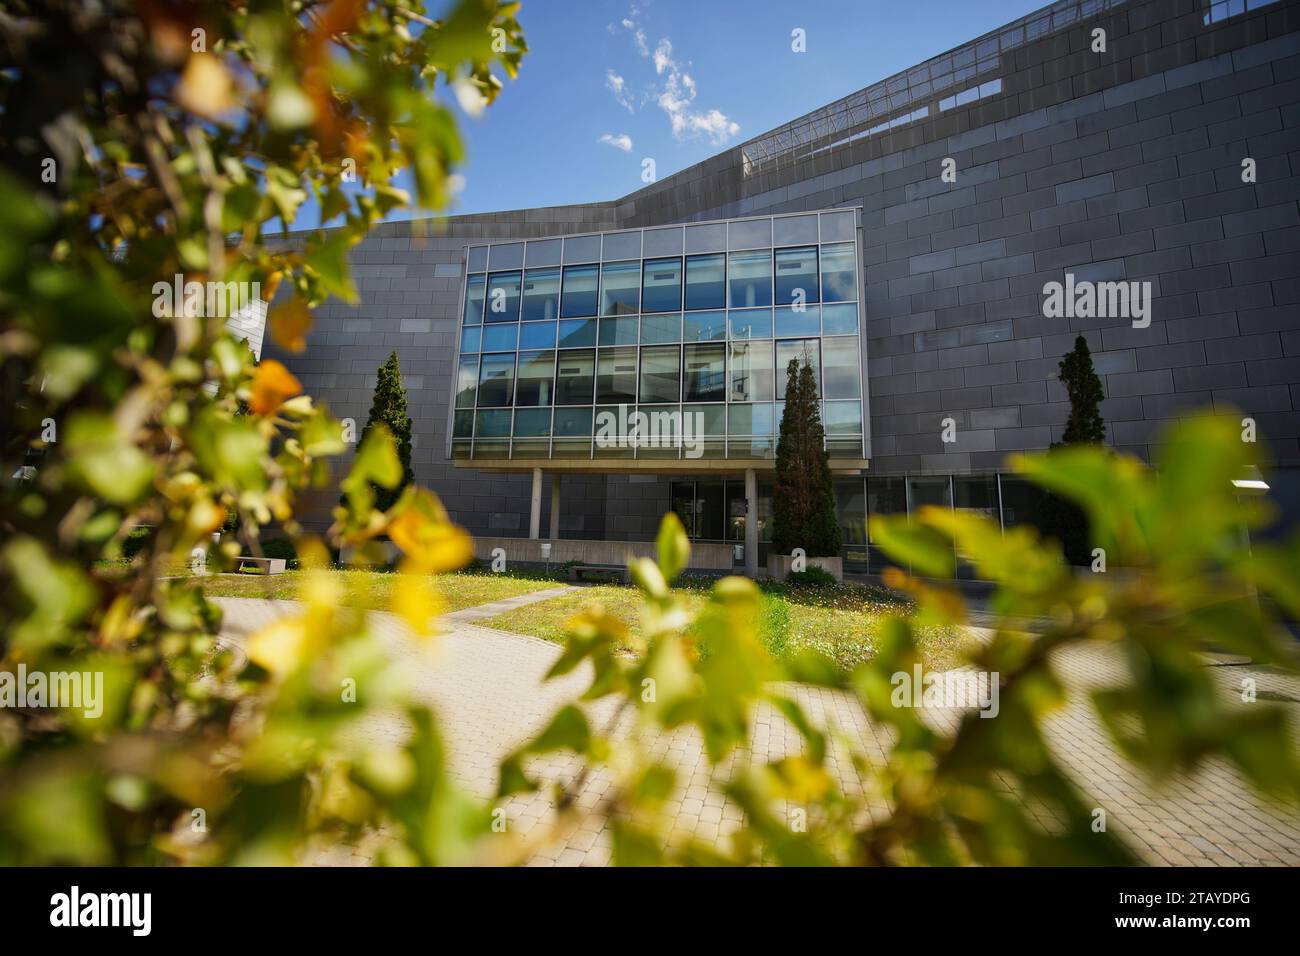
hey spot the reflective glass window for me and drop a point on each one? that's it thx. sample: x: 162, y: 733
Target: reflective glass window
x: 496, y: 380
x: 532, y: 422
x: 749, y: 233
x: 706, y: 286
x: 804, y: 323
x: 839, y: 273
x: 622, y: 245
x: 618, y: 331
x: 503, y: 297
x: 537, y: 335
x: 749, y: 372
x: 467, y: 382
x: 711, y: 237
x: 582, y: 249
x: 541, y: 294
x: 574, y: 375
x: 705, y: 326
x: 794, y: 230
x: 663, y: 242
x: 505, y: 255
x: 796, y: 275
x: 542, y: 252
x: 500, y: 338
x: 837, y: 225
x: 474, y: 294
x: 661, y: 374
x: 470, y: 339
x: 462, y: 424
x: 536, y: 385
x: 751, y: 324
x: 577, y: 333
x: 842, y: 371
x: 666, y: 327
x: 580, y: 284
x: 758, y: 419
x: 661, y: 286
x: 840, y: 319
x: 805, y: 350
x: 492, y: 424
x: 616, y: 376
x: 749, y: 277
x: 620, y: 287
x: 706, y: 419
x: 704, y: 368
x: 842, y: 418
x: 572, y: 422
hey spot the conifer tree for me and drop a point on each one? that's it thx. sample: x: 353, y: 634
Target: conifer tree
x: 389, y: 407
x: 803, y: 503
x: 1062, y: 519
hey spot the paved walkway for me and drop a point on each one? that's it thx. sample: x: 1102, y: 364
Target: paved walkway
x: 481, y: 612
x: 487, y: 687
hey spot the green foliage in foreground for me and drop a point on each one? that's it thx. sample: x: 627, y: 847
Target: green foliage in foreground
x: 1190, y: 583
x: 184, y: 139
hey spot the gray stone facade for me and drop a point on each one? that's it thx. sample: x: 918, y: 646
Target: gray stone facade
x: 1123, y: 165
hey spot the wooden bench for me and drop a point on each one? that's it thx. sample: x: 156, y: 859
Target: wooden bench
x: 251, y: 565
x: 576, y: 571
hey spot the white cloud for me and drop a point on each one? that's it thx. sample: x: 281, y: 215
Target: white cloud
x: 618, y: 86
x: 638, y: 36
x: 621, y: 141
x: 675, y: 99
x: 664, y: 56
x: 676, y: 95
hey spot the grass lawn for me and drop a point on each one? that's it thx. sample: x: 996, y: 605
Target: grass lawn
x: 839, y: 623
x: 373, y: 589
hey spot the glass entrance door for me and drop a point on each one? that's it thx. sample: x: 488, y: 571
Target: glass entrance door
x: 710, y: 522
x: 683, y: 503
x: 713, y: 510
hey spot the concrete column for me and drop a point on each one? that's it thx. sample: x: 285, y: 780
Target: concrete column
x: 555, y: 506
x: 535, y: 508
x: 751, y: 522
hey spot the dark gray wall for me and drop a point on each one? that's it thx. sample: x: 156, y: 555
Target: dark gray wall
x: 1123, y: 165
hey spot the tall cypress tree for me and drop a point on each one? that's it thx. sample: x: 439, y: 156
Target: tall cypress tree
x: 1062, y: 519
x: 1083, y: 385
x: 803, y: 503
x: 389, y: 407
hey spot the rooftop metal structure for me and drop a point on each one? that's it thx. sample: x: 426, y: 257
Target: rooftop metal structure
x: 942, y: 82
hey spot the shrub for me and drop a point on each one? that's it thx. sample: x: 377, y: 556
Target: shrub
x: 136, y: 541
x: 812, y: 577
x: 280, y: 548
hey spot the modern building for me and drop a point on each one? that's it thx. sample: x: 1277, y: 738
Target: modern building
x: 904, y: 240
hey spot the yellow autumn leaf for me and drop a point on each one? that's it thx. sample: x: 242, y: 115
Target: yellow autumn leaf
x: 416, y: 601
x: 278, y: 647
x: 799, y: 779
x: 205, y: 86
x: 272, y: 384
x: 430, y: 540
x: 290, y: 323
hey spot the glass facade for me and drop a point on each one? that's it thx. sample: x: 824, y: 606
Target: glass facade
x: 698, y: 320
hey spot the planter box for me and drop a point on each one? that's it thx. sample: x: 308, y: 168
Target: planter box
x: 778, y: 566
x: 250, y: 565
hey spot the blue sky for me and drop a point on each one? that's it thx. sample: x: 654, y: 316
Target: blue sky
x: 682, y: 80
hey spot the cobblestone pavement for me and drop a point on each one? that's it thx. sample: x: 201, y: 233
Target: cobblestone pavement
x: 488, y: 689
